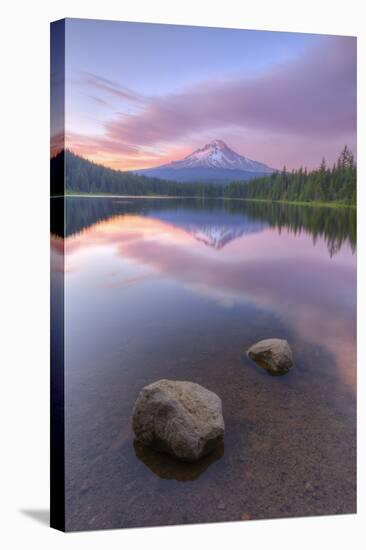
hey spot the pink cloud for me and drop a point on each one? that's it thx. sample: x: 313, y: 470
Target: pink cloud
x: 313, y: 96
x: 95, y: 145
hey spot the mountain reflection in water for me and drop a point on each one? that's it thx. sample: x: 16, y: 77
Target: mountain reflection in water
x: 217, y: 222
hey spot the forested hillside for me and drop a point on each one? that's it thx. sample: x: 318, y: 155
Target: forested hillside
x: 336, y: 184
x: 83, y: 176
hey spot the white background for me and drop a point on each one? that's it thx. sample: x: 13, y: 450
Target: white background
x: 24, y: 271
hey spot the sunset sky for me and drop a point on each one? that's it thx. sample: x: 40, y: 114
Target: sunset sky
x: 140, y: 95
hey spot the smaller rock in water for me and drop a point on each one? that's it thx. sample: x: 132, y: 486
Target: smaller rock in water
x: 183, y: 419
x: 273, y: 354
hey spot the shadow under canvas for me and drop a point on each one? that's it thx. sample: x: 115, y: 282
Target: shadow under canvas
x: 38, y: 514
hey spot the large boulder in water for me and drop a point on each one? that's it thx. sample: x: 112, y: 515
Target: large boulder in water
x: 273, y: 354
x: 181, y: 418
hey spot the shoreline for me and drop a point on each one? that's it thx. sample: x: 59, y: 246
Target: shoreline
x: 112, y: 196
x: 314, y: 204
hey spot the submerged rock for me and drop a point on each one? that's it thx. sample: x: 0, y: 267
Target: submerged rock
x: 183, y: 419
x: 273, y: 354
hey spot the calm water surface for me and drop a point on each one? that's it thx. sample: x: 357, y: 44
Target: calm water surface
x: 179, y: 289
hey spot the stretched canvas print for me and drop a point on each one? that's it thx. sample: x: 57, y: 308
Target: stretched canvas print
x: 203, y: 281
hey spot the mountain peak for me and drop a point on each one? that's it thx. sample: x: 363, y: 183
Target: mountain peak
x: 217, y: 154
x: 214, y: 161
x: 217, y: 143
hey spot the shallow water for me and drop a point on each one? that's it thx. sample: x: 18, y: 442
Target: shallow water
x: 179, y: 289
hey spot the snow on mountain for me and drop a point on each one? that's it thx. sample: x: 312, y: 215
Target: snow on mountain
x: 218, y: 155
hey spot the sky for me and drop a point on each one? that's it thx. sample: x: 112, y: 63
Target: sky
x: 140, y: 95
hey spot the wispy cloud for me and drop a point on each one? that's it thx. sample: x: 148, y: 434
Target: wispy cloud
x: 109, y: 87
x: 314, y: 95
x: 98, y: 100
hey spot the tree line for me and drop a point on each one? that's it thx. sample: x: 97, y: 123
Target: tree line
x: 336, y: 184
x: 71, y: 173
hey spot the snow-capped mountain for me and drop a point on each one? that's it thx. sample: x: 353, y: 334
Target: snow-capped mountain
x: 213, y: 162
x: 218, y: 155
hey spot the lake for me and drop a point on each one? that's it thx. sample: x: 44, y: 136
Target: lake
x: 179, y: 289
